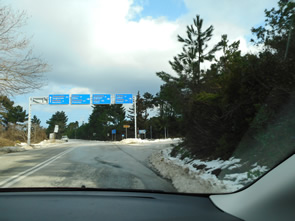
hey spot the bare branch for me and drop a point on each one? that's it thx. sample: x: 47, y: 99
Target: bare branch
x: 20, y: 71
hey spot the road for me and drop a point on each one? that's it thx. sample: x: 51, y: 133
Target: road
x: 89, y: 163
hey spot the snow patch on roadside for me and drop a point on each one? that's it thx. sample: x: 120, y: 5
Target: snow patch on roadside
x: 147, y: 141
x: 13, y: 149
x: 24, y: 146
x: 198, y: 176
x: 47, y: 143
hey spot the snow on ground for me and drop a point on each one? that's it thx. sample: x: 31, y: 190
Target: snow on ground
x: 12, y: 149
x: 47, y: 143
x: 147, y: 141
x: 198, y: 176
x: 24, y: 146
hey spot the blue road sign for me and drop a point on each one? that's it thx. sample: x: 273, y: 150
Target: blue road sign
x: 114, y: 131
x: 59, y: 99
x: 80, y: 99
x: 101, y: 99
x: 142, y: 131
x: 123, y: 99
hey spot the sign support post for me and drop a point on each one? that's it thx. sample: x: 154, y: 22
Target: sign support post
x: 135, y: 116
x: 34, y: 100
x: 151, y: 129
x: 165, y: 132
x: 29, y: 122
x: 126, y: 127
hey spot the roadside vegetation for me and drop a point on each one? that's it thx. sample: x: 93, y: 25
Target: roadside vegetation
x: 242, y: 102
x: 5, y: 142
x: 13, y: 124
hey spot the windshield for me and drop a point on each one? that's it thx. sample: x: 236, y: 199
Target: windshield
x: 174, y: 96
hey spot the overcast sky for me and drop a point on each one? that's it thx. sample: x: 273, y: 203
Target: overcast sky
x: 117, y: 46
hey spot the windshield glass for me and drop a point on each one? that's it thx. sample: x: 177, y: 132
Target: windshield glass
x: 175, y: 95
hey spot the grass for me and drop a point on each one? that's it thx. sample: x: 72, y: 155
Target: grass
x: 5, y: 142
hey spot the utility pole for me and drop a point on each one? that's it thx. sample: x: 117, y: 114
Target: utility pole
x: 135, y: 116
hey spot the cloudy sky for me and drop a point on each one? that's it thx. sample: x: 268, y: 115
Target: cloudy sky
x: 117, y: 46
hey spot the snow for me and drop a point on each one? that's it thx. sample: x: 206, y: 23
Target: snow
x: 146, y: 141
x: 238, y: 177
x: 24, y: 146
x: 197, y: 176
x: 11, y: 149
x: 234, y: 166
x: 47, y: 143
x: 261, y: 169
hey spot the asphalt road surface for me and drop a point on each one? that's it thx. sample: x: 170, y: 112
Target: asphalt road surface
x: 88, y: 163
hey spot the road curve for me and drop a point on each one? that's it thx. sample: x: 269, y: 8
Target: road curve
x: 89, y: 163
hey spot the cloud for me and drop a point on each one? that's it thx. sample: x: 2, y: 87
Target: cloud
x: 244, y: 14
x: 232, y: 17
x: 94, y: 44
x: 134, y: 10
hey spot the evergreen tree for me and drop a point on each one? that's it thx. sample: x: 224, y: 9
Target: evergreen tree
x: 278, y: 33
x: 194, y: 52
x: 143, y: 105
x: 17, y: 114
x: 72, y: 129
x: 38, y: 133
x: 10, y: 113
x: 60, y: 119
x: 185, y: 97
x: 5, y: 106
x: 105, y: 118
x: 35, y: 121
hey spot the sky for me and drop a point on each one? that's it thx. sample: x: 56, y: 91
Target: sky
x: 117, y: 46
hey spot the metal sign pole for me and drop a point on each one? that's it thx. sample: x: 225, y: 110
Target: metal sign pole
x: 34, y: 100
x: 151, y: 132
x: 165, y: 132
x: 29, y: 122
x: 135, y: 116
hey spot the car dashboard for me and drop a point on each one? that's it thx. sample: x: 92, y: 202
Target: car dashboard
x: 70, y: 204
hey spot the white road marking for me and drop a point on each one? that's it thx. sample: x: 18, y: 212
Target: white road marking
x: 16, y: 178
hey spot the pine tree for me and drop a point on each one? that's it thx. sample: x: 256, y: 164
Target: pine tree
x: 60, y: 119
x: 10, y: 113
x: 105, y: 118
x: 36, y: 121
x: 143, y: 104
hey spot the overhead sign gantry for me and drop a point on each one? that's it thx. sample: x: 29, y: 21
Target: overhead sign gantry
x: 78, y: 99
